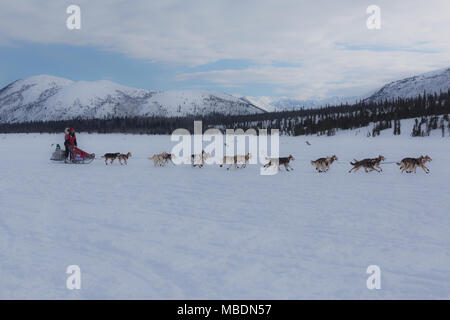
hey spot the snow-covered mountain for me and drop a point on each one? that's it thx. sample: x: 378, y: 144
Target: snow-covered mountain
x: 290, y: 104
x: 430, y: 82
x: 262, y: 102
x: 45, y: 97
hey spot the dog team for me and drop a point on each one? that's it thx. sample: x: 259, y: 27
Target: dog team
x: 117, y: 155
x: 408, y: 165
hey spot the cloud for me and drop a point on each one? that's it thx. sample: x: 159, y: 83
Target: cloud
x: 349, y: 74
x: 301, y: 47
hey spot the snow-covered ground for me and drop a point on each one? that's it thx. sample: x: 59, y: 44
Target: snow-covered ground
x: 138, y: 231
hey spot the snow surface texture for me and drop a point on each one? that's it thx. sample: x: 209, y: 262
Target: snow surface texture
x: 140, y: 232
x: 46, y: 97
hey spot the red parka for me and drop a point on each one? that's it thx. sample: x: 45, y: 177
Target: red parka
x: 70, y: 140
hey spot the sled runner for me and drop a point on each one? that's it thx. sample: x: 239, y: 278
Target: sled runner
x: 78, y: 156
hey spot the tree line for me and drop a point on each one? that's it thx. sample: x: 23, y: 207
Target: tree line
x: 320, y: 121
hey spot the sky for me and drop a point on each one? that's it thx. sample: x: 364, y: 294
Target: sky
x: 300, y: 49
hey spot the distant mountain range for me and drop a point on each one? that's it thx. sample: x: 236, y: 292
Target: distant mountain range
x: 430, y: 82
x: 290, y: 104
x: 45, y: 97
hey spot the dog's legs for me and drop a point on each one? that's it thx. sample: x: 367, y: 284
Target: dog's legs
x: 356, y: 168
x: 408, y: 168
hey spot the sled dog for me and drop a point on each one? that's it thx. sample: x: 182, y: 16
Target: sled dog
x: 243, y: 159
x: 124, y: 157
x: 372, y: 164
x: 111, y: 157
x: 229, y: 160
x: 199, y: 159
x: 238, y: 159
x: 157, y: 159
x: 166, y: 157
x: 280, y: 161
x: 410, y: 164
x: 323, y: 164
x: 161, y: 159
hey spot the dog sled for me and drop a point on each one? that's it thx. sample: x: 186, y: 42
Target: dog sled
x: 78, y: 156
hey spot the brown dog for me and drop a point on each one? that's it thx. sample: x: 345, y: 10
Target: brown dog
x: 280, y: 161
x: 124, y: 157
x: 111, y: 157
x: 323, y: 164
x: 368, y: 164
x: 410, y: 164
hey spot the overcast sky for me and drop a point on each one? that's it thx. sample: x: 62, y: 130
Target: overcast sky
x: 298, y: 49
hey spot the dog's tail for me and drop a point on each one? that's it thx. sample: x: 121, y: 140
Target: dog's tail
x: 151, y: 158
x: 103, y: 157
x: 399, y: 163
x: 353, y: 163
x: 313, y: 163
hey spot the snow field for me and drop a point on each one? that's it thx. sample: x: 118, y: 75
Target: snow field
x: 142, y: 232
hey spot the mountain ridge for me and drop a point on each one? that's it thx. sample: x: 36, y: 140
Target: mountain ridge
x: 430, y: 82
x: 46, y: 97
